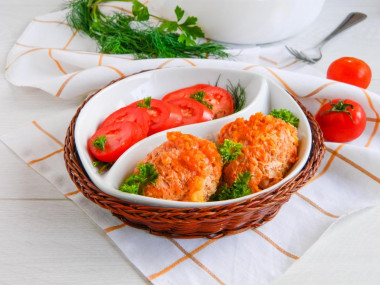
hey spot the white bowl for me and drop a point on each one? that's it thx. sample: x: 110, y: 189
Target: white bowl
x: 262, y: 96
x: 245, y: 21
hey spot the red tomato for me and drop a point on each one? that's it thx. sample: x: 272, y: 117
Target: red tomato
x: 221, y: 101
x: 192, y: 111
x: 131, y: 114
x: 162, y: 115
x: 119, y: 137
x: 350, y: 70
x: 341, y: 120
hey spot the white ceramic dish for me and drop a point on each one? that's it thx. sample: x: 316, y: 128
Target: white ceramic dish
x: 262, y: 95
x: 245, y: 21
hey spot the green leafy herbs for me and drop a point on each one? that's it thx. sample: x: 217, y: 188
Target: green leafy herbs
x: 100, y: 142
x: 285, y: 115
x: 199, y: 96
x: 229, y: 150
x: 102, y: 166
x: 189, y: 30
x: 238, y: 95
x: 145, y: 103
x: 239, y: 189
x: 121, y: 33
x: 136, y: 183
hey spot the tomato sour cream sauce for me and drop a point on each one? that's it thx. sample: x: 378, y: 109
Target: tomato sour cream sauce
x: 130, y: 124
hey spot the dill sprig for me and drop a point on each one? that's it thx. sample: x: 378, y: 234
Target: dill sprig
x: 238, y: 95
x: 121, y: 33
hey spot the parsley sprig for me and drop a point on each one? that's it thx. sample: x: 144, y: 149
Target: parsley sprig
x: 239, y: 189
x: 199, y: 96
x: 100, y: 142
x: 119, y: 33
x: 145, y: 103
x: 229, y: 150
x: 136, y: 183
x: 102, y: 166
x: 286, y: 115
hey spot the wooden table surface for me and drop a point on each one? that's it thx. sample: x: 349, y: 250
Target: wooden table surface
x: 46, y: 239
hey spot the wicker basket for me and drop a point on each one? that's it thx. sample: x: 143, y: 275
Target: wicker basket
x: 210, y: 222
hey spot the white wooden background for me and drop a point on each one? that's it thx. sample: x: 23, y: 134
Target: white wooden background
x: 46, y: 239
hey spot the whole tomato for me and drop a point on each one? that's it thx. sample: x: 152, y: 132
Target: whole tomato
x: 341, y: 120
x: 350, y: 70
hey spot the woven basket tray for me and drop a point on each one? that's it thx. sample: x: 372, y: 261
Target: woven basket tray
x: 210, y: 222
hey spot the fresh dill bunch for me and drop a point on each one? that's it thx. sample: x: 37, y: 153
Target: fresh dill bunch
x: 126, y: 34
x: 286, y: 116
x: 239, y: 189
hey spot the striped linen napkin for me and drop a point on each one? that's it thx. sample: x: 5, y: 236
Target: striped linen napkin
x: 51, y: 56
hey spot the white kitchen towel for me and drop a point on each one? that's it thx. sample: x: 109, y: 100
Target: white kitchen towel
x: 51, y: 56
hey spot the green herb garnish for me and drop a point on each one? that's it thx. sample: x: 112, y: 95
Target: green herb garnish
x: 102, y: 166
x: 229, y: 150
x: 285, y: 115
x: 239, y: 189
x: 238, y: 95
x: 121, y: 33
x: 136, y: 183
x: 199, y: 96
x: 99, y: 142
x: 145, y: 103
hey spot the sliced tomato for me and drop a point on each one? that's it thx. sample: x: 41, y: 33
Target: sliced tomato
x: 221, y: 101
x: 130, y: 114
x: 192, y: 111
x: 118, y: 138
x: 162, y: 115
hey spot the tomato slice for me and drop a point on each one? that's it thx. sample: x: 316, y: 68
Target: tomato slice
x: 162, y: 115
x: 192, y: 111
x: 131, y: 114
x: 119, y: 137
x: 221, y: 101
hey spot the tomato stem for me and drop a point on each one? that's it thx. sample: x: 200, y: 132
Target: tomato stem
x: 340, y: 107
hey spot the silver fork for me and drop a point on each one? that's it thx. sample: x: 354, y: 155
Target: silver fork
x: 313, y: 54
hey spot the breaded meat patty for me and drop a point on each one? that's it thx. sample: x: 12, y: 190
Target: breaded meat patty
x: 189, y: 169
x: 269, y: 150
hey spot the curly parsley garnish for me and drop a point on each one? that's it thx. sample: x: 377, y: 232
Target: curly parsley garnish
x: 145, y: 103
x: 285, y: 115
x: 199, y: 96
x: 239, y: 189
x: 136, y: 183
x: 99, y: 142
x: 229, y: 150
